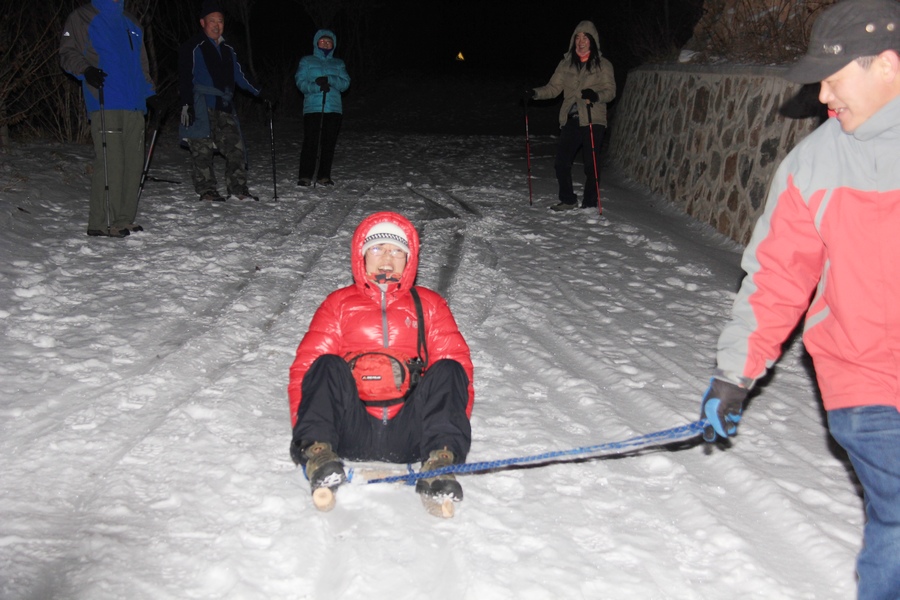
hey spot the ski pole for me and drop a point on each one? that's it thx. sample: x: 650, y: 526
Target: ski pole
x: 594, y: 156
x: 272, y: 137
x: 105, y: 159
x: 157, y: 120
x: 528, y: 155
x: 319, y: 142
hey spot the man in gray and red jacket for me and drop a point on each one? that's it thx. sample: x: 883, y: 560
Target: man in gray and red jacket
x: 827, y: 245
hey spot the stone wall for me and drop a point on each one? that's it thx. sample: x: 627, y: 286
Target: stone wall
x: 709, y: 139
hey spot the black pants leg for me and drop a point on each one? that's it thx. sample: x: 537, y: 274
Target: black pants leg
x: 575, y: 138
x: 433, y: 417
x: 570, y: 142
x: 590, y: 185
x: 329, y: 142
x: 329, y: 125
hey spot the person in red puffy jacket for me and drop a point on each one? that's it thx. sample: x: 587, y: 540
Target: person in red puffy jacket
x: 378, y: 313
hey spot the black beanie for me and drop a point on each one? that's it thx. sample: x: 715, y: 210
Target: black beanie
x: 209, y: 6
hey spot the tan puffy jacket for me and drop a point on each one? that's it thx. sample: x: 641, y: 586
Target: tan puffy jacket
x: 569, y: 80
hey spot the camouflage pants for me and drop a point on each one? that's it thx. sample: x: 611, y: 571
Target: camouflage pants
x: 225, y: 136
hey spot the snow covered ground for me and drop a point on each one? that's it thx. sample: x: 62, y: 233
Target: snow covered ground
x: 144, y: 426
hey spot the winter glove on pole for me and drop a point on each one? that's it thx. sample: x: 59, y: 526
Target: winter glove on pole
x: 722, y: 406
x: 529, y: 94
x: 153, y: 103
x: 323, y: 83
x: 94, y: 77
x: 187, y: 115
x: 268, y: 97
x: 590, y: 95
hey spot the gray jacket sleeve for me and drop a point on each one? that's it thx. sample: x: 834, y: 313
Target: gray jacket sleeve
x: 76, y: 53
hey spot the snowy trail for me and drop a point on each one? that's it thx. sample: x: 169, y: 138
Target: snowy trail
x: 144, y: 423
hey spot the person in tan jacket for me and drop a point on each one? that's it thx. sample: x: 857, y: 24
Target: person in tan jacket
x: 586, y: 81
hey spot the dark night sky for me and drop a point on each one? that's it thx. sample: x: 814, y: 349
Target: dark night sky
x: 504, y: 36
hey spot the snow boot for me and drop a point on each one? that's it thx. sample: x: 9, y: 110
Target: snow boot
x: 115, y: 232
x: 325, y: 472
x: 304, y: 182
x: 564, y: 206
x: 211, y: 196
x: 244, y: 195
x: 441, y: 486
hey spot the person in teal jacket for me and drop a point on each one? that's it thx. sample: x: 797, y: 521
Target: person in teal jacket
x: 321, y: 78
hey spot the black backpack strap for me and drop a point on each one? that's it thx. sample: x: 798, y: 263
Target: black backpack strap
x: 421, y: 346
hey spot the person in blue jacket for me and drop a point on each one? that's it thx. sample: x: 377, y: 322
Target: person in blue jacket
x: 321, y: 78
x: 103, y: 47
x: 208, y: 74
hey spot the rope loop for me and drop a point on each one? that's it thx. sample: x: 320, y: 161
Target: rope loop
x: 658, y: 438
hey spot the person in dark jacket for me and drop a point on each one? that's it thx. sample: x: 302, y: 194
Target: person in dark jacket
x: 586, y: 81
x: 103, y: 46
x: 378, y: 313
x: 208, y: 74
x: 321, y: 78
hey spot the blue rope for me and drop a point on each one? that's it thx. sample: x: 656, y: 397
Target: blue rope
x: 665, y: 436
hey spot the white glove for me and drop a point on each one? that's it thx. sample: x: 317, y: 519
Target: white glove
x: 187, y: 115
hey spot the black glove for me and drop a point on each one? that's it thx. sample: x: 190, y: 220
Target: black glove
x: 529, y: 94
x: 94, y: 77
x: 323, y: 84
x: 722, y: 406
x: 187, y: 115
x: 153, y: 102
x: 590, y: 95
x: 267, y: 97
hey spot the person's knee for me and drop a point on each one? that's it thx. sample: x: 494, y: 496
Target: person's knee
x: 328, y: 360
x: 450, y: 367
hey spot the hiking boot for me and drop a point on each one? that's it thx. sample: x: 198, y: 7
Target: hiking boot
x: 116, y: 232
x: 304, y: 182
x: 564, y: 206
x: 325, y: 181
x: 323, y: 467
x: 211, y: 196
x: 134, y: 228
x: 244, y: 196
x: 444, y: 485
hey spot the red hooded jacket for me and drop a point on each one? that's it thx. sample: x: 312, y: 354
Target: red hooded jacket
x: 361, y: 317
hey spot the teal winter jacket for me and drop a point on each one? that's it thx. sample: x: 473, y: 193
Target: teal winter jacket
x: 321, y: 63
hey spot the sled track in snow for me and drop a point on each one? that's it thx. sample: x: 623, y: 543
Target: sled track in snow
x: 201, y: 357
x: 454, y: 248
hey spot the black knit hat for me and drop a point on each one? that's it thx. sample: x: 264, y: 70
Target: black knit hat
x: 844, y: 32
x: 210, y: 6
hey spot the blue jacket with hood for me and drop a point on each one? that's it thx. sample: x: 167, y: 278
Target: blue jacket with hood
x: 321, y: 63
x: 103, y: 35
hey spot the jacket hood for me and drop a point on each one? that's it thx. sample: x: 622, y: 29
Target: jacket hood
x: 358, y: 263
x: 109, y: 7
x: 319, y: 35
x: 588, y: 28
